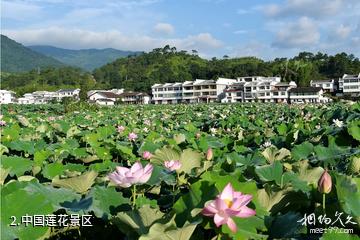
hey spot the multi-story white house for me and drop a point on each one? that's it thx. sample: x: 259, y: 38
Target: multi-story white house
x: 28, y: 98
x: 328, y: 85
x: 258, y: 88
x: 74, y: 93
x: 200, y: 91
x: 191, y: 91
x: 259, y: 91
x: 280, y: 91
x: 134, y: 98
x: 350, y: 84
x: 307, y: 95
x: 167, y: 93
x: 234, y: 93
x: 42, y: 97
x: 7, y: 97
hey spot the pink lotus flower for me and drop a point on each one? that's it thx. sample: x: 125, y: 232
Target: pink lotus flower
x: 132, y: 136
x: 147, y: 155
x: 51, y: 118
x: 120, y: 129
x: 126, y: 177
x: 173, y: 165
x: 2, y: 123
x: 325, y: 183
x: 227, y: 204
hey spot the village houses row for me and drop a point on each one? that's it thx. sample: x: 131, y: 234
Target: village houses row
x: 243, y: 89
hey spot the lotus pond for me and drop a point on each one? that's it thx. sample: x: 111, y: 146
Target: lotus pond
x: 250, y: 171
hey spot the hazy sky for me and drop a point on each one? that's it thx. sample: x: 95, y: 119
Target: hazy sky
x: 266, y: 29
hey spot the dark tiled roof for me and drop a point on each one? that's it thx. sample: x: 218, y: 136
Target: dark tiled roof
x: 282, y: 84
x: 129, y: 94
x: 107, y: 94
x: 67, y: 90
x: 104, y: 100
x: 320, y: 81
x: 305, y: 89
x: 351, y: 76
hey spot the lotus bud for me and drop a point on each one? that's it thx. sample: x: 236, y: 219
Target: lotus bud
x: 209, y: 154
x: 325, y: 183
x: 147, y: 155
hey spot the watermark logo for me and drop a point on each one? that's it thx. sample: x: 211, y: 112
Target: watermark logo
x: 332, y: 224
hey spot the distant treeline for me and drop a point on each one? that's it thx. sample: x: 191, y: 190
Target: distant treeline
x: 169, y: 65
x: 50, y: 79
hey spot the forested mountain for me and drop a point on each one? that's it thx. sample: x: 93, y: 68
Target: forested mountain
x: 17, y: 58
x: 169, y: 65
x: 87, y: 59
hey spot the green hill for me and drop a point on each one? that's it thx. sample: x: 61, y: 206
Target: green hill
x: 50, y: 79
x: 166, y: 64
x: 87, y: 59
x: 17, y: 58
x: 169, y: 65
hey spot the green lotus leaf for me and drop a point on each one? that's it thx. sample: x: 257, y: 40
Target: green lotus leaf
x: 4, y: 172
x: 271, y: 172
x: 190, y: 159
x: 302, y: 151
x: 21, y: 203
x: 165, y: 154
x: 354, y: 129
x: 80, y: 184
x: 137, y: 222
x: 106, y: 201
x: 169, y: 231
x: 179, y: 138
x: 17, y: 165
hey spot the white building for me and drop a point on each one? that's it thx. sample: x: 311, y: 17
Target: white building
x: 110, y: 98
x: 328, y: 85
x: 191, y: 91
x: 258, y: 88
x: 104, y: 98
x: 350, y: 84
x: 234, y: 93
x: 307, y: 95
x: 200, y: 91
x: 74, y: 93
x: 134, y: 98
x: 7, y: 97
x: 280, y: 91
x: 265, y: 90
x: 28, y: 98
x: 167, y: 93
x: 43, y: 97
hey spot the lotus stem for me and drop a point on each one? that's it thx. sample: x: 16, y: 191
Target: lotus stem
x: 134, y: 196
x: 324, y: 208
